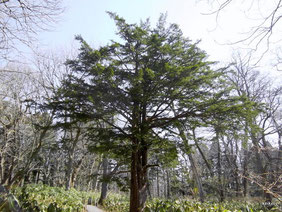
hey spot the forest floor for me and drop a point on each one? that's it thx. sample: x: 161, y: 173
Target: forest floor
x: 91, y: 208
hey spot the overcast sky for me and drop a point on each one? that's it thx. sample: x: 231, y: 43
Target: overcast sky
x: 89, y: 19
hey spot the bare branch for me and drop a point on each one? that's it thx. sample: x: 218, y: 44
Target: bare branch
x: 21, y: 20
x: 260, y: 36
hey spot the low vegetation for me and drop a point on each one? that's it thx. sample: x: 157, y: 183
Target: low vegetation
x: 46, y: 199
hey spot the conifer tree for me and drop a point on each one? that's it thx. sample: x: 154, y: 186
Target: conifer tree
x: 139, y: 87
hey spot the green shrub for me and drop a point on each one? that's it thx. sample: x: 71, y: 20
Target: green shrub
x: 53, y: 199
x: 121, y: 203
x: 116, y: 203
x: 48, y: 199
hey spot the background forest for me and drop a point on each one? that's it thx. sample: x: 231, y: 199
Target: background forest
x: 146, y: 116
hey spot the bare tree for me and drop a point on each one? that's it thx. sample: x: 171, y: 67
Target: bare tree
x: 265, y: 16
x: 264, y: 154
x: 21, y: 20
x: 20, y: 140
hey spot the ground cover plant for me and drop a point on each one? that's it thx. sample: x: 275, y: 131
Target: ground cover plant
x: 46, y: 198
x: 187, y: 205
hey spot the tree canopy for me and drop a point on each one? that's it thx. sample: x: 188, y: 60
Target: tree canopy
x: 136, y: 90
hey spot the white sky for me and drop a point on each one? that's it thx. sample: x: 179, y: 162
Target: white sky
x: 89, y: 19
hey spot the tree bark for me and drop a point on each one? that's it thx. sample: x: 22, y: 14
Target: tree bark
x: 75, y: 172
x: 69, y: 172
x: 168, y: 184
x: 245, y: 172
x: 197, y: 178
x: 193, y: 166
x: 138, y: 182
x: 134, y: 194
x: 219, y: 169
x: 202, y: 154
x: 70, y: 158
x: 104, y: 188
x: 158, y: 183
x: 139, y: 155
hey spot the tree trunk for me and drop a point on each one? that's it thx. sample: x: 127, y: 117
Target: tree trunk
x: 197, y: 178
x: 231, y: 159
x: 139, y: 155
x: 194, y: 168
x: 138, y: 182
x: 69, y: 172
x: 104, y: 188
x: 71, y: 156
x: 279, y: 154
x: 219, y: 169
x: 168, y: 184
x: 158, y: 183
x: 246, y: 154
x: 134, y: 194
x: 149, y: 192
x: 258, y: 161
x: 35, y: 150
x: 245, y: 173
x: 92, y: 185
x: 76, y: 171
x: 238, y: 193
x: 201, y: 153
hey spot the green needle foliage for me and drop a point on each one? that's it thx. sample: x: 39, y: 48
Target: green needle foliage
x: 137, y: 88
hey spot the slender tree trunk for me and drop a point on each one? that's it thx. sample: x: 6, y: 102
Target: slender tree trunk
x: 258, y: 161
x: 219, y: 169
x: 245, y: 173
x: 232, y: 162
x: 104, y: 191
x: 238, y: 193
x: 168, y: 184
x: 149, y: 191
x: 94, y: 174
x: 196, y: 177
x: 269, y: 171
x: 237, y: 184
x: 246, y: 154
x: 164, y: 184
x: 194, y: 168
x: 76, y: 171
x: 104, y: 188
x: 70, y: 159
x: 279, y: 154
x: 158, y: 183
x: 4, y: 157
x: 69, y: 171
x: 95, y: 186
x: 201, y: 152
x: 35, y: 150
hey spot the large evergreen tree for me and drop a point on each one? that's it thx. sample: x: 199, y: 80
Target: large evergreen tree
x: 137, y: 88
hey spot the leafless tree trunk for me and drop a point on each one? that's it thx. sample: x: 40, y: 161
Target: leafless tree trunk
x: 193, y: 165
x: 219, y: 168
x: 104, y: 189
x: 69, y: 168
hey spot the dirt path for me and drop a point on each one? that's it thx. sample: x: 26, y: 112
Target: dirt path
x: 91, y: 208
